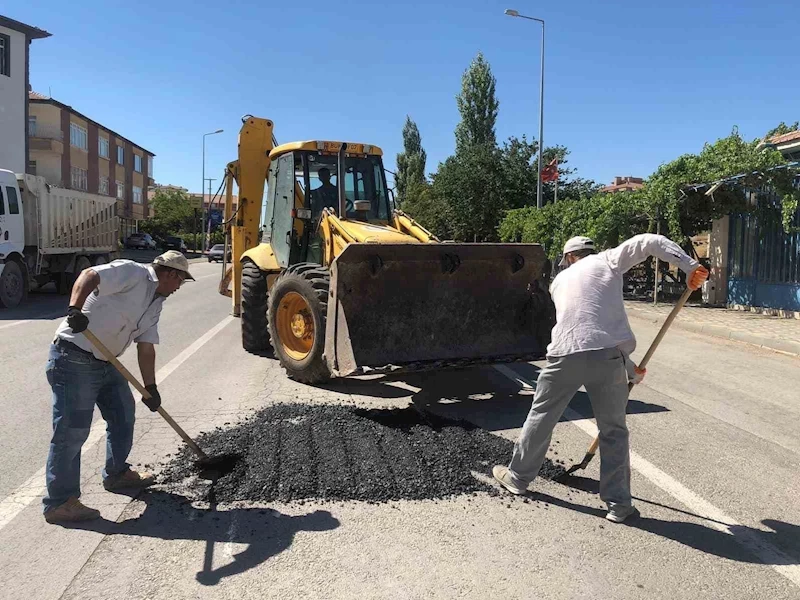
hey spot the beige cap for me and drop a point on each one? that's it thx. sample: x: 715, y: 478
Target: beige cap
x: 174, y: 260
x: 579, y: 242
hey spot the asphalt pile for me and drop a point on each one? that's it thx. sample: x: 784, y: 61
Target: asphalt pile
x: 293, y: 452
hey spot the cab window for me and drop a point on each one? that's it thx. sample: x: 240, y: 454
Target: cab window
x: 13, y: 201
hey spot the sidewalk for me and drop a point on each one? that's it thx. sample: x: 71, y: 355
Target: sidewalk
x: 774, y: 333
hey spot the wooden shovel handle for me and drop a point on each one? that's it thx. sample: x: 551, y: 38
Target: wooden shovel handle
x: 143, y: 391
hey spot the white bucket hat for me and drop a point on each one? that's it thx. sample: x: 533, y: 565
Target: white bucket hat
x: 174, y: 260
x: 579, y: 242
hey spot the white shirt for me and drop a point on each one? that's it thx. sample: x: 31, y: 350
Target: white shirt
x: 590, y: 313
x: 123, y: 309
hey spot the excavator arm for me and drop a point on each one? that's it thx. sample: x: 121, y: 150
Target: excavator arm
x: 256, y: 139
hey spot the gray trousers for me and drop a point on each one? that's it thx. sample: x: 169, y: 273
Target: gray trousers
x: 603, y: 374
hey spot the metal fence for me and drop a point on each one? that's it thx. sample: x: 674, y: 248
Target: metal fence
x: 764, y: 260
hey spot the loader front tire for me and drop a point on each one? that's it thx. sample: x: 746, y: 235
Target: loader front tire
x: 255, y: 331
x: 298, y: 310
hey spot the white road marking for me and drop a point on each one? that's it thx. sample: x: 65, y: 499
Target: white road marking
x: 713, y: 516
x: 34, y: 488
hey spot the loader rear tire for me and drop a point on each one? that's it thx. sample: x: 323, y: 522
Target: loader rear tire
x: 255, y: 331
x: 298, y: 311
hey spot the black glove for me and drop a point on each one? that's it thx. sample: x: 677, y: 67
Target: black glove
x: 154, y: 401
x: 76, y: 320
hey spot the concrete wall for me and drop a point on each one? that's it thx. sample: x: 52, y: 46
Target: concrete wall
x: 13, y: 103
x: 48, y: 165
x: 718, y: 259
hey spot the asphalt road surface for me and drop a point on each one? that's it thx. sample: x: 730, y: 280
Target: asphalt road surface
x: 715, y: 459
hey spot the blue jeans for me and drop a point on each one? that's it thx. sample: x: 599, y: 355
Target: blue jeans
x: 79, y: 381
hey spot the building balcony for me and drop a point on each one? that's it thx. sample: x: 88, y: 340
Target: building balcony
x: 46, y: 138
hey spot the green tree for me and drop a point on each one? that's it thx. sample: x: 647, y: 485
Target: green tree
x: 782, y: 128
x: 429, y: 210
x: 469, y: 187
x: 478, y: 106
x: 173, y: 213
x: 519, y: 172
x: 411, y: 161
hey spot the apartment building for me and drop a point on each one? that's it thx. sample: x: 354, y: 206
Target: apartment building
x: 15, y: 40
x: 624, y: 184
x: 71, y: 150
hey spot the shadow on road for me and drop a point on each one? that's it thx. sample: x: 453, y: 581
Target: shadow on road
x: 44, y: 304
x: 171, y: 517
x: 479, y: 394
x: 733, y: 546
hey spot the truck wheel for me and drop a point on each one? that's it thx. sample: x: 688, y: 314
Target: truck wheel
x: 255, y: 331
x: 298, y: 311
x: 13, y: 285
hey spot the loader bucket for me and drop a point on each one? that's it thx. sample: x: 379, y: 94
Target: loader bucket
x: 408, y: 305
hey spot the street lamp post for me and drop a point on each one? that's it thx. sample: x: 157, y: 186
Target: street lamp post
x: 513, y: 13
x: 202, y: 185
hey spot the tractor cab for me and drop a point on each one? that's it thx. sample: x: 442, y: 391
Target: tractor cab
x: 304, y: 180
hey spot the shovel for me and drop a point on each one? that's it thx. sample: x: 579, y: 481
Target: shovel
x: 210, y: 467
x: 648, y: 355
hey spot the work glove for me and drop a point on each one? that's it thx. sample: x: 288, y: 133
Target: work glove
x: 638, y: 375
x: 154, y: 401
x: 696, y: 279
x: 76, y: 320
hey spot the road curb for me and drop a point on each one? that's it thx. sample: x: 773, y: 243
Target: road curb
x: 783, y: 346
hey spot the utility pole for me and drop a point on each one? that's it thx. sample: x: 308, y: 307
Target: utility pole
x: 655, y: 258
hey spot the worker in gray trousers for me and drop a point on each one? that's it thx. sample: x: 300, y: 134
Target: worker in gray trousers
x: 590, y: 346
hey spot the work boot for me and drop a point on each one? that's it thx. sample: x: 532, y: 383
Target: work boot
x: 504, y: 478
x: 617, y: 513
x: 127, y: 480
x: 71, y: 511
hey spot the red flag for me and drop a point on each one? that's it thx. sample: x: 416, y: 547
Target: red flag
x: 550, y: 172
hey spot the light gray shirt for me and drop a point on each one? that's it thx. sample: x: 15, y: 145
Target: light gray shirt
x: 590, y: 313
x: 123, y: 309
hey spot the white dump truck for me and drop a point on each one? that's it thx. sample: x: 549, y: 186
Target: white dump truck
x: 50, y: 234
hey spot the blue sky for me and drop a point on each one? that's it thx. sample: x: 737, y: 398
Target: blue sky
x: 629, y: 85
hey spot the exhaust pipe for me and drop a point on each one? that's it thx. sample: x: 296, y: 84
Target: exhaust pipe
x: 340, y: 181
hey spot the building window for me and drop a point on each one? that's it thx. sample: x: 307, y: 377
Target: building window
x: 78, y: 137
x: 79, y: 178
x: 102, y: 147
x: 120, y: 190
x: 102, y: 188
x: 31, y: 126
x: 5, y: 55
x: 32, y: 167
x: 150, y: 166
x: 137, y: 195
x: 120, y: 155
x: 137, y: 163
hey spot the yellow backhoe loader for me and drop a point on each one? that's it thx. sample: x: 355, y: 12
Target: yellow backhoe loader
x: 339, y: 283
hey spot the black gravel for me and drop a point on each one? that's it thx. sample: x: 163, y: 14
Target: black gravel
x: 295, y: 452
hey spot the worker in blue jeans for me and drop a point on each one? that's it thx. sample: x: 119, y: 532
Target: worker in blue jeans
x: 121, y: 301
x: 590, y: 346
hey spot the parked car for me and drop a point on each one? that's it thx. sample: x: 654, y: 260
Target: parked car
x: 175, y: 243
x: 215, y: 254
x: 140, y: 241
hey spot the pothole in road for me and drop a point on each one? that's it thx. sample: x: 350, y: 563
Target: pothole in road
x: 327, y: 452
